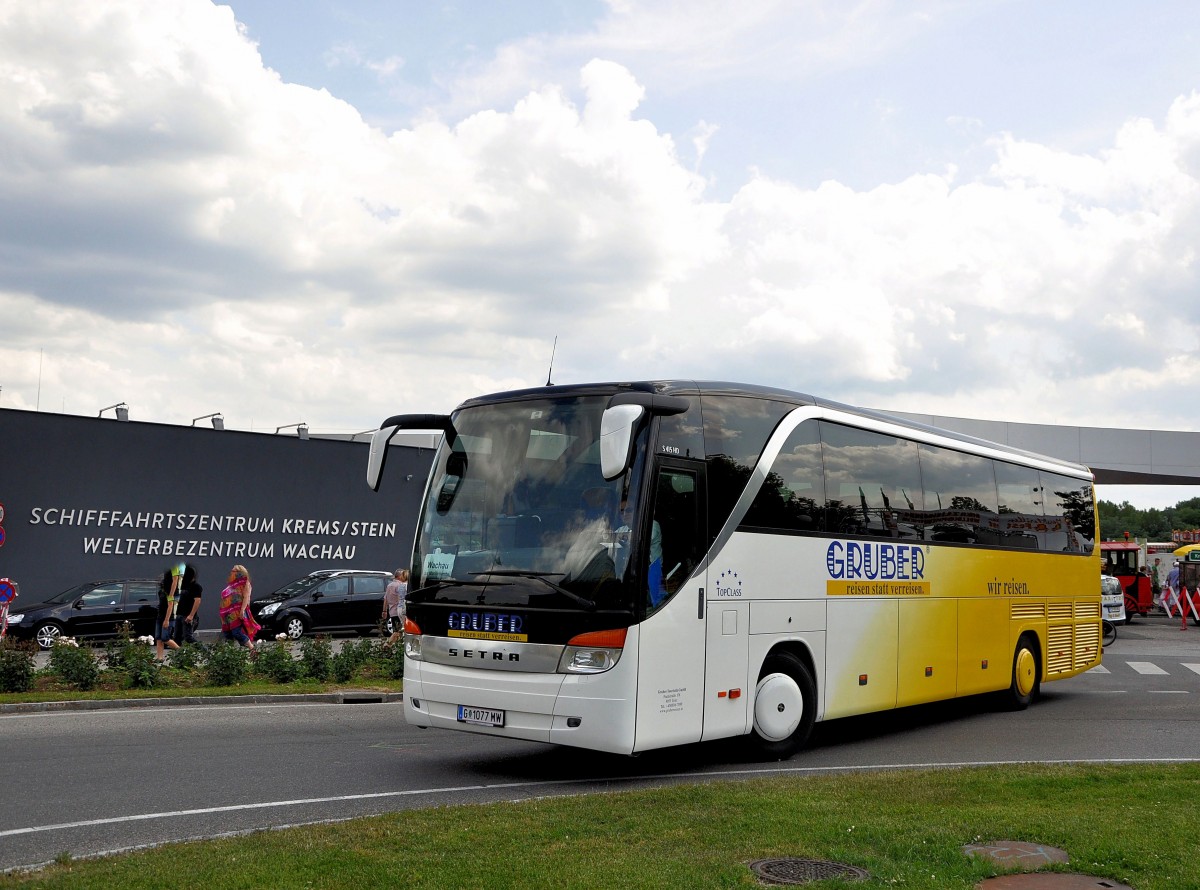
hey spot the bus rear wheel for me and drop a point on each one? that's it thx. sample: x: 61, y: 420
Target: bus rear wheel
x: 785, y: 706
x: 1026, y: 674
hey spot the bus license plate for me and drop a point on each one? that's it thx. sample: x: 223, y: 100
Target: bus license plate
x: 480, y: 716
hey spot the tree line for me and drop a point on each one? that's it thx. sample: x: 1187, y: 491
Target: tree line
x: 1152, y: 524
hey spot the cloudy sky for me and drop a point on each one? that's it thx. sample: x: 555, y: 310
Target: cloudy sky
x: 330, y: 211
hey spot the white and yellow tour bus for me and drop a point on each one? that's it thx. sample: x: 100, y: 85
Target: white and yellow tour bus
x: 629, y: 566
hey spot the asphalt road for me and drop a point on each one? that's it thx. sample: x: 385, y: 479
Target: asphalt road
x: 89, y: 782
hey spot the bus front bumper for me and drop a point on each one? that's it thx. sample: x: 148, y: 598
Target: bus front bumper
x: 593, y: 711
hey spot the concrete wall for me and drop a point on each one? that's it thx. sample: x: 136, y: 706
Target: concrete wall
x: 93, y: 499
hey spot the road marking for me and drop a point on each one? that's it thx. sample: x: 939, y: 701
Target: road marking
x: 1192, y: 667
x: 1099, y: 669
x: 605, y: 782
x: 1146, y: 667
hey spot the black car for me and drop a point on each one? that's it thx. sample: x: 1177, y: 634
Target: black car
x: 88, y: 610
x: 327, y: 600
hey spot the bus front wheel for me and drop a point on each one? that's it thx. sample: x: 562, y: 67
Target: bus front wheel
x: 1026, y: 674
x: 785, y: 706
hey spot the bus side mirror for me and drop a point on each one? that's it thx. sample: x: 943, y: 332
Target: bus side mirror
x: 616, y: 438
x: 621, y: 418
x: 379, y: 447
x: 389, y: 428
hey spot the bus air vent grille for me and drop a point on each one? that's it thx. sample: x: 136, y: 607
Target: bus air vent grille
x: 1087, y: 609
x: 1059, y: 653
x: 1087, y: 644
x: 1023, y: 611
x: 1061, y: 611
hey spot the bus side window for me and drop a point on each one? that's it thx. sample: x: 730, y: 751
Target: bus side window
x: 960, y: 500
x: 736, y: 428
x: 1070, y: 520
x: 674, y: 536
x: 1021, y: 518
x: 872, y: 482
x: 792, y: 497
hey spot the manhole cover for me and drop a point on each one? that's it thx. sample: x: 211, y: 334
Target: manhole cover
x: 803, y: 871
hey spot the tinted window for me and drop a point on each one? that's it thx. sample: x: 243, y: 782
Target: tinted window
x: 140, y: 592
x: 870, y: 479
x: 368, y: 584
x: 674, y: 543
x: 959, y: 494
x: 736, y: 429
x: 681, y: 435
x: 1070, y: 514
x: 335, y: 587
x: 1020, y: 520
x: 792, y: 497
x: 104, y: 595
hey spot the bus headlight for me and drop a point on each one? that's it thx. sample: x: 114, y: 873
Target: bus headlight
x: 584, y: 660
x: 592, y: 653
x: 412, y: 640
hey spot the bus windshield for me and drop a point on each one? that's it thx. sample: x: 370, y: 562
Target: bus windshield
x: 519, y: 514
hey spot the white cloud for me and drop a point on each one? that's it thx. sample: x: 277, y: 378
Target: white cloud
x: 190, y: 233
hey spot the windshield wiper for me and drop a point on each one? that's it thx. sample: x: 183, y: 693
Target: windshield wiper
x: 421, y: 594
x: 541, y: 576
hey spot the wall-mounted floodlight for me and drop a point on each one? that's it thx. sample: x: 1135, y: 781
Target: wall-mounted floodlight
x: 218, y: 421
x: 122, y: 411
x: 301, y: 429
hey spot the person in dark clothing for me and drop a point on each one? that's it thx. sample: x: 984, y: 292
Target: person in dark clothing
x: 187, y: 614
x: 168, y: 590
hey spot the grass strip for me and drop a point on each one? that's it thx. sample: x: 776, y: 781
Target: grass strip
x: 907, y: 828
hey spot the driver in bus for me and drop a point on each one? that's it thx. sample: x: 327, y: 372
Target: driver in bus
x: 654, y: 575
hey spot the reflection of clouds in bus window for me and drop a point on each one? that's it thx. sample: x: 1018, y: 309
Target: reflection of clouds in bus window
x: 739, y: 427
x: 870, y: 479
x: 958, y: 480
x: 587, y: 557
x: 1018, y: 489
x: 793, y: 493
x: 1069, y: 513
x: 960, y: 497
x: 736, y: 429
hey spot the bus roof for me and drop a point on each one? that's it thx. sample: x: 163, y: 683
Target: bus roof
x: 714, y: 388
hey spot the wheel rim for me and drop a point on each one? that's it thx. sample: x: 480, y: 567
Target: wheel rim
x: 778, y: 707
x: 1025, y: 671
x: 295, y: 628
x: 47, y: 635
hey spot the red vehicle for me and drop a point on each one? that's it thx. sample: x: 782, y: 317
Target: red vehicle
x: 1124, y: 559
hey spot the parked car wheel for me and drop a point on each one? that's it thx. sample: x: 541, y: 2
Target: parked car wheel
x: 294, y: 627
x: 47, y: 632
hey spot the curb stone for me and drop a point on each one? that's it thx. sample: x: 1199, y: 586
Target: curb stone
x: 336, y: 698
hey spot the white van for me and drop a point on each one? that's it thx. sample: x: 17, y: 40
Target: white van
x: 1112, y: 599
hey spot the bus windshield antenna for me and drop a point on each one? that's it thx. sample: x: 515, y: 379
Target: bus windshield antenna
x: 553, y: 349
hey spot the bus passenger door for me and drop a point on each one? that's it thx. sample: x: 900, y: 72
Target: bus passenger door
x: 726, y: 666
x: 670, y: 700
